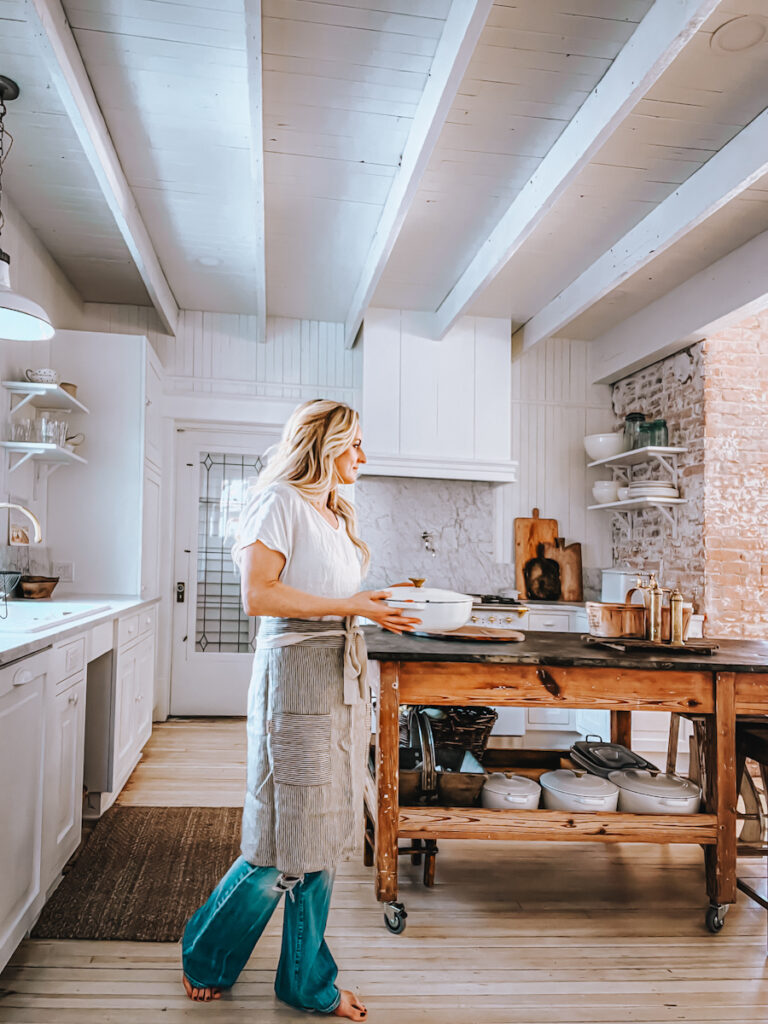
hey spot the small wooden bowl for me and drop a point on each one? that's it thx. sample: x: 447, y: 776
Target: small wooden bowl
x: 37, y: 587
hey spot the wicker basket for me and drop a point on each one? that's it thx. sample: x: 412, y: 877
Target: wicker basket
x: 465, y: 727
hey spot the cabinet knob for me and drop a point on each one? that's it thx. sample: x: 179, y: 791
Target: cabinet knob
x: 473, y: 618
x: 491, y: 618
x: 73, y: 699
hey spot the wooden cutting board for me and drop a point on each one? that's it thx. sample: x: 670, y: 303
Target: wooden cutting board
x: 569, y: 559
x: 529, y: 533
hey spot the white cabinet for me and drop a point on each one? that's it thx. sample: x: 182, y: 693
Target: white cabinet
x: 134, y: 692
x: 437, y: 408
x: 22, y: 750
x: 63, y: 805
x: 150, y: 531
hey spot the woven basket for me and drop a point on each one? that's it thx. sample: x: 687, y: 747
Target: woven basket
x: 469, y: 728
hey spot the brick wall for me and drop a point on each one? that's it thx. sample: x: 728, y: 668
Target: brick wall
x: 713, y: 396
x: 736, y: 480
x: 671, y: 389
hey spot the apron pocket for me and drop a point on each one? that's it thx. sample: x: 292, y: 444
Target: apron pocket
x: 301, y: 749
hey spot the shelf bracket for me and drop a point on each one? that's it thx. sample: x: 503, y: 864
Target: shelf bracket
x: 19, y: 405
x: 625, y: 522
x: 46, y: 469
x: 671, y: 516
x: 19, y: 462
x: 670, y: 466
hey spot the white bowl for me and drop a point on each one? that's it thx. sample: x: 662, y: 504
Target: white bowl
x: 605, y: 490
x: 439, y: 610
x: 603, y: 446
x: 624, y: 493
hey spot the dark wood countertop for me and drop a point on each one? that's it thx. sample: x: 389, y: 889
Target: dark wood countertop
x: 564, y: 650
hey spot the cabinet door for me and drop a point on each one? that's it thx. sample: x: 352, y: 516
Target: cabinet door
x: 63, y: 801
x: 145, y: 690
x: 153, y: 424
x: 125, y: 713
x: 22, y: 738
x: 150, y: 533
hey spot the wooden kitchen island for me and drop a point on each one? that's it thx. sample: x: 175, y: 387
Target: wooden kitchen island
x: 558, y: 670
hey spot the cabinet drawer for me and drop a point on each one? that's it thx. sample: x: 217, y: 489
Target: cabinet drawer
x: 127, y: 629
x: 548, y: 716
x: 101, y: 639
x: 558, y: 622
x: 68, y: 659
x: 147, y: 619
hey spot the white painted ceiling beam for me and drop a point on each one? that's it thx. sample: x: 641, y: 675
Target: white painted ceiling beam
x: 458, y: 40
x: 654, y: 44
x: 723, y: 294
x: 70, y: 78
x: 734, y: 168
x: 256, y: 104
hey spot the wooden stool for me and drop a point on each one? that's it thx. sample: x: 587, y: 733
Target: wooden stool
x: 752, y: 744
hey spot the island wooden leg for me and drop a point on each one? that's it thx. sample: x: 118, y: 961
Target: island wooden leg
x: 621, y: 728
x: 387, y: 781
x: 720, y: 859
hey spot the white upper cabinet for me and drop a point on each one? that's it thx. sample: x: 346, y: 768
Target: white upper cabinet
x: 437, y: 408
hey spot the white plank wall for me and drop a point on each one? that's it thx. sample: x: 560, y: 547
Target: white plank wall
x: 217, y: 354
x: 554, y: 405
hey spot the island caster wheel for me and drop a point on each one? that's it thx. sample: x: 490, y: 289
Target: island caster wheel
x: 394, y: 918
x: 715, y: 916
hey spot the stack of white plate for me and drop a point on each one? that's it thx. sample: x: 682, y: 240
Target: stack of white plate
x: 652, y: 489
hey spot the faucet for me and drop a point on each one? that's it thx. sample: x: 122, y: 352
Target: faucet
x: 30, y: 515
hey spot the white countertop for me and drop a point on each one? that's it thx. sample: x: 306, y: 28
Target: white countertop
x: 19, y: 643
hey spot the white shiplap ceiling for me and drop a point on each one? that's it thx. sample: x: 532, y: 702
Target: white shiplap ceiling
x: 341, y: 85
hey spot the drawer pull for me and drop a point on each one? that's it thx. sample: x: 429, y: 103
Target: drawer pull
x: 73, y: 699
x: 24, y: 675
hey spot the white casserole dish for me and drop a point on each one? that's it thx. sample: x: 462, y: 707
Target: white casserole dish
x: 644, y: 792
x: 510, y: 792
x: 564, y: 790
x: 439, y: 610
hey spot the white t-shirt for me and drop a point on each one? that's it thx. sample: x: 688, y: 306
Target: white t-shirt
x: 319, y: 559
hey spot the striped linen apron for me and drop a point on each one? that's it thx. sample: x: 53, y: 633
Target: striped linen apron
x: 309, y: 727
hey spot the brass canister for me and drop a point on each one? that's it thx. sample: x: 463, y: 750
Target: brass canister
x: 655, y: 595
x: 676, y: 618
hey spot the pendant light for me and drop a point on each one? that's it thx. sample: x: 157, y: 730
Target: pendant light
x: 21, y: 319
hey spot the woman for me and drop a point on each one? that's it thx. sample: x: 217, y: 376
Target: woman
x: 301, y: 564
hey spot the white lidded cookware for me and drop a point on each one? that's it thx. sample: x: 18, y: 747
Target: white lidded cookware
x: 439, y: 610
x: 510, y: 792
x: 644, y: 792
x: 565, y: 790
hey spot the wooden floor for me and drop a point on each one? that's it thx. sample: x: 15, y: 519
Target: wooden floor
x: 510, y: 934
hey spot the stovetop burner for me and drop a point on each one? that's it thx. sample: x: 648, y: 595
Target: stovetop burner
x: 496, y: 599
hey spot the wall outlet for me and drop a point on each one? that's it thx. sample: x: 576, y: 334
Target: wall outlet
x: 65, y: 571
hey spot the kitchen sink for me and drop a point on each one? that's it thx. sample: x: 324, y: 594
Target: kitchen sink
x: 35, y: 616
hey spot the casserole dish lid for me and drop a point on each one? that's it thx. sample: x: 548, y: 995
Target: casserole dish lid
x: 503, y: 784
x: 601, y: 757
x: 671, y: 787
x: 424, y: 595
x: 566, y: 781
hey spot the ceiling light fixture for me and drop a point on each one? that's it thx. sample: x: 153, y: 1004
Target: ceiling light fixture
x: 21, y: 319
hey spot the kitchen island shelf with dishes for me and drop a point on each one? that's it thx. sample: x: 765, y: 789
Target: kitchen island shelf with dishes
x: 556, y: 670
x: 42, y: 396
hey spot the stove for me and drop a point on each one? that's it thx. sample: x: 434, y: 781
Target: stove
x: 495, y: 601
x: 496, y: 610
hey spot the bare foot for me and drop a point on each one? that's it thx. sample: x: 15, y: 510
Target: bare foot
x: 350, y: 1007
x: 202, y: 995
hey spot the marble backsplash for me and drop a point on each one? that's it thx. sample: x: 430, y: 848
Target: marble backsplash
x: 394, y: 512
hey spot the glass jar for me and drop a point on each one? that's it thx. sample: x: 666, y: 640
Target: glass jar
x: 632, y: 423
x: 659, y: 433
x: 644, y: 434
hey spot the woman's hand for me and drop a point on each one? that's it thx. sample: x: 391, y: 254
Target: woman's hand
x: 370, y: 605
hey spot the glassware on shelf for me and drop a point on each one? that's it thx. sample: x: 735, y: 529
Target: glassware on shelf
x: 659, y: 433
x: 21, y: 430
x: 632, y: 422
x: 644, y: 434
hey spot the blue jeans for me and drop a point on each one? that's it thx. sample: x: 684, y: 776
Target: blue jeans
x: 221, y: 935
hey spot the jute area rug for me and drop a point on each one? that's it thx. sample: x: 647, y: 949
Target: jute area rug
x: 142, y: 873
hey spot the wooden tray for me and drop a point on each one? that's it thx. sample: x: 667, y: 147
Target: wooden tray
x: 502, y: 636
x: 621, y: 643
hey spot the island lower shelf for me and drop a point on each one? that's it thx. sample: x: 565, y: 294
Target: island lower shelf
x: 563, y: 826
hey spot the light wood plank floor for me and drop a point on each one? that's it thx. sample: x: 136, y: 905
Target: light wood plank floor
x: 511, y: 934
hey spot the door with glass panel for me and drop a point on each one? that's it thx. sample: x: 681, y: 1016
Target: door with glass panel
x: 213, y: 641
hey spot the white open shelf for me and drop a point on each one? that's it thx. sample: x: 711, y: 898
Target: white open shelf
x: 637, y: 455
x: 50, y: 455
x: 42, y: 396
x: 625, y: 511
x: 633, y: 503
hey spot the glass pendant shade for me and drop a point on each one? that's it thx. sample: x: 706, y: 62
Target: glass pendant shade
x: 21, y: 319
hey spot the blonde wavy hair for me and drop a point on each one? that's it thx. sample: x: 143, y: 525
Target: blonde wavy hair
x: 316, y: 434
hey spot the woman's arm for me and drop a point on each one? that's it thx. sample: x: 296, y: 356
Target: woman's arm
x: 264, y: 594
